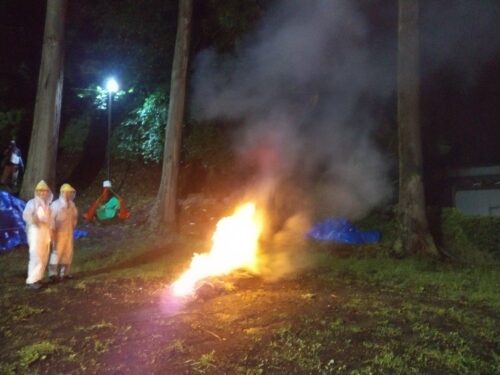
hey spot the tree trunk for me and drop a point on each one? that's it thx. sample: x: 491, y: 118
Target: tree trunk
x: 167, y: 194
x: 414, y: 235
x: 42, y: 154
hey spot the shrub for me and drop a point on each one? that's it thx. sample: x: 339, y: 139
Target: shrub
x: 142, y: 134
x: 10, y: 122
x: 484, y: 232
x: 75, y: 134
x: 470, y: 238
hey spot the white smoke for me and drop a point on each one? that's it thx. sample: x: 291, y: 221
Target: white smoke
x: 302, y: 84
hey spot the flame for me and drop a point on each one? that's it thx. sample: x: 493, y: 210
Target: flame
x: 234, y: 246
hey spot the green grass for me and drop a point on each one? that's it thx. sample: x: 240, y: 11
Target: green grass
x: 358, y: 314
x: 25, y: 311
x: 205, y: 364
x: 474, y: 284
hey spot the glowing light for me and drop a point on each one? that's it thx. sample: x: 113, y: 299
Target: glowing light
x: 234, y: 246
x: 112, y: 85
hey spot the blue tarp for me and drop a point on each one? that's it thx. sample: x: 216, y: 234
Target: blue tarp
x: 79, y: 233
x: 12, y: 227
x: 342, y: 231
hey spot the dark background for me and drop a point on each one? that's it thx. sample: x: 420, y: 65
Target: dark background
x: 460, y: 65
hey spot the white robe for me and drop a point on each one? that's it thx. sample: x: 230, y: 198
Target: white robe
x: 37, y: 215
x: 64, y: 219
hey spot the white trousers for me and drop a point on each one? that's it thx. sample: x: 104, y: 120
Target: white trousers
x: 61, y: 255
x: 39, y: 248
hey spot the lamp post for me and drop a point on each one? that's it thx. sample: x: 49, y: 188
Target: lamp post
x: 111, y: 87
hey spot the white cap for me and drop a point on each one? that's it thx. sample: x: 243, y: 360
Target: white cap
x: 106, y: 184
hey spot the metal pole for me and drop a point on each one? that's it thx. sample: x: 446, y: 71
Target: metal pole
x: 110, y: 94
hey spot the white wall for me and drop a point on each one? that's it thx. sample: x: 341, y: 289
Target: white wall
x: 478, y: 202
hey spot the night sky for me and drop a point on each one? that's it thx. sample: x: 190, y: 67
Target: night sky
x: 460, y: 63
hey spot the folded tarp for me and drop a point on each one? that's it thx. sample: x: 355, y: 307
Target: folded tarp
x: 12, y: 227
x: 342, y: 231
x: 108, y: 210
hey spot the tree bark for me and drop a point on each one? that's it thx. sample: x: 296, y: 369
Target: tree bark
x: 41, y: 163
x: 167, y: 194
x: 414, y: 235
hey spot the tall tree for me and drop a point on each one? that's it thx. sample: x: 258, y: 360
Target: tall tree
x: 414, y: 235
x: 167, y: 194
x: 44, y: 136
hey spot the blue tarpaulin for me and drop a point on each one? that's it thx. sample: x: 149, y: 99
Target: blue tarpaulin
x: 342, y: 231
x: 79, y: 233
x: 12, y: 227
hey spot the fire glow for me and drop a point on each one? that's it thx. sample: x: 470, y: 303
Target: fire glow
x: 234, y: 246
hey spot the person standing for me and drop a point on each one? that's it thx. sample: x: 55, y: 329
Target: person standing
x: 64, y: 219
x: 37, y: 215
x: 12, y: 163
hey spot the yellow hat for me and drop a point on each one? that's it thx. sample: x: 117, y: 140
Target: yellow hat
x: 42, y: 185
x: 67, y: 187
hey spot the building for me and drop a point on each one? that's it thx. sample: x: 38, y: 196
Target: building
x: 476, y: 191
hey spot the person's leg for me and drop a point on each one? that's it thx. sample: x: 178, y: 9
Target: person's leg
x: 37, y: 263
x: 15, y: 175
x: 7, y: 171
x: 66, y: 254
x: 66, y: 271
x: 33, y: 265
x: 54, y: 265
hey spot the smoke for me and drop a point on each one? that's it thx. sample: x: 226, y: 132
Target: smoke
x: 304, y: 85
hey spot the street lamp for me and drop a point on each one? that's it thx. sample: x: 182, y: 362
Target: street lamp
x: 111, y: 87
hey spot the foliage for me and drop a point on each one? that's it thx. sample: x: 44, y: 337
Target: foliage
x: 100, y: 95
x: 142, y: 134
x: 483, y: 231
x: 225, y: 22
x: 74, y: 136
x: 142, y: 59
x: 382, y: 219
x: 134, y: 38
x: 10, y: 122
x: 470, y: 238
x: 208, y: 143
x: 34, y: 352
x: 205, y: 364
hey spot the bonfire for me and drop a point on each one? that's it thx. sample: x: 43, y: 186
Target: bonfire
x: 234, y: 246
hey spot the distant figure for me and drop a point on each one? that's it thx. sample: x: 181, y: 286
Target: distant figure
x: 37, y: 215
x: 12, y: 163
x: 108, y: 206
x: 64, y: 218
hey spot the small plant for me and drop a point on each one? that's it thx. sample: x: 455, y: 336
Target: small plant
x: 35, y: 352
x: 177, y: 346
x: 101, y: 325
x: 82, y: 285
x: 101, y: 346
x: 205, y: 364
x: 23, y: 312
x: 308, y: 296
x: 97, y: 345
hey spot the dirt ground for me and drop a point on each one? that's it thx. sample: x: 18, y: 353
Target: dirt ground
x: 313, y: 322
x: 118, y: 317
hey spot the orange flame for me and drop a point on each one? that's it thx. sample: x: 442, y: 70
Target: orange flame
x: 234, y: 246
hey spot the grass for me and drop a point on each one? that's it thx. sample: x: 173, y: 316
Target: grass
x: 358, y: 314
x: 34, y: 352
x: 473, y: 284
x: 205, y: 364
